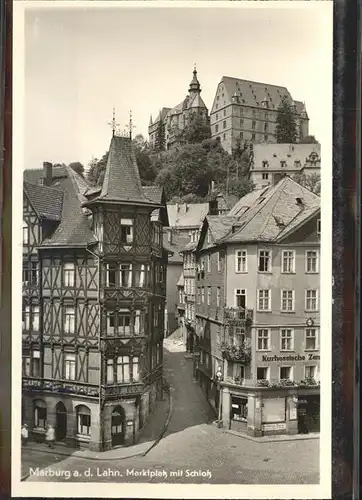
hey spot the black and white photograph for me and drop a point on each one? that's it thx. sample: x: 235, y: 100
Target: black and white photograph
x: 172, y: 284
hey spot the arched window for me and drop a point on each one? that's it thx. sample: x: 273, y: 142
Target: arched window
x: 83, y: 420
x: 40, y: 413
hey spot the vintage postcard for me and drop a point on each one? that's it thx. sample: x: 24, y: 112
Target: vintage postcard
x: 172, y: 283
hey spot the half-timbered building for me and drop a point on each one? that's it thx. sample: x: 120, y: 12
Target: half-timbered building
x: 94, y: 286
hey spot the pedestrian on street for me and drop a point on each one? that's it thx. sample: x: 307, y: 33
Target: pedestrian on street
x: 24, y: 435
x: 50, y: 436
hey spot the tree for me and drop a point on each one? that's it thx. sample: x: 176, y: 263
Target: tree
x: 242, y: 156
x: 196, y: 130
x: 286, y: 126
x: 160, y: 141
x: 309, y: 139
x: 95, y: 174
x: 311, y: 182
x: 77, y: 167
x: 146, y: 167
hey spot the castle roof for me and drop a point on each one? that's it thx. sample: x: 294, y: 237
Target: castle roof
x: 254, y: 93
x: 295, y: 156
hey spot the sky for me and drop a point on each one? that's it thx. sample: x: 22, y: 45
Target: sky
x: 82, y: 62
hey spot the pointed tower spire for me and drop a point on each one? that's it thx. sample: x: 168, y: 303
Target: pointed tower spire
x: 130, y: 125
x: 195, y: 84
x: 113, y: 123
x: 151, y: 123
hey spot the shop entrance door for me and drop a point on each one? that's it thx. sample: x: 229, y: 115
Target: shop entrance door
x: 302, y: 415
x: 61, y: 421
x: 313, y: 409
x: 117, y: 426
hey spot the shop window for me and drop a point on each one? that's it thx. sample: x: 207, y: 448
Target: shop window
x: 83, y: 420
x: 40, y: 413
x: 239, y: 409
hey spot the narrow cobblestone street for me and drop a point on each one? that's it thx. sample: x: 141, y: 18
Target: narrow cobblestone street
x: 194, y: 450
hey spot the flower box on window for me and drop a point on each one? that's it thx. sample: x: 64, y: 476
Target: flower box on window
x: 240, y: 353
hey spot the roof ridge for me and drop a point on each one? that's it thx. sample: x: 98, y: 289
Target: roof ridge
x: 253, y: 81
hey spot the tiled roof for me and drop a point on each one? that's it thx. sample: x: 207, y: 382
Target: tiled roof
x: 246, y: 202
x: 178, y: 242
x: 189, y: 247
x: 187, y: 214
x: 122, y: 181
x: 35, y: 175
x: 74, y: 229
x: 219, y: 226
x: 291, y: 154
x: 196, y: 101
x: 153, y: 193
x: 161, y: 115
x: 46, y: 201
x: 253, y: 93
x: 276, y: 209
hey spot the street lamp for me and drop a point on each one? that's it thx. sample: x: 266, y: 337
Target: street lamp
x: 219, y: 378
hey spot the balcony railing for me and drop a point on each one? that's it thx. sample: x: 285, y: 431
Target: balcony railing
x: 272, y: 384
x: 238, y: 315
x: 60, y: 386
x: 117, y: 390
x: 237, y: 353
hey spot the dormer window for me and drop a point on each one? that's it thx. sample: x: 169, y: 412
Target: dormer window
x: 265, y: 164
x: 283, y: 163
x: 297, y: 163
x: 126, y: 231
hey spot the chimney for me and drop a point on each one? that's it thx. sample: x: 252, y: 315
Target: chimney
x: 47, y: 173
